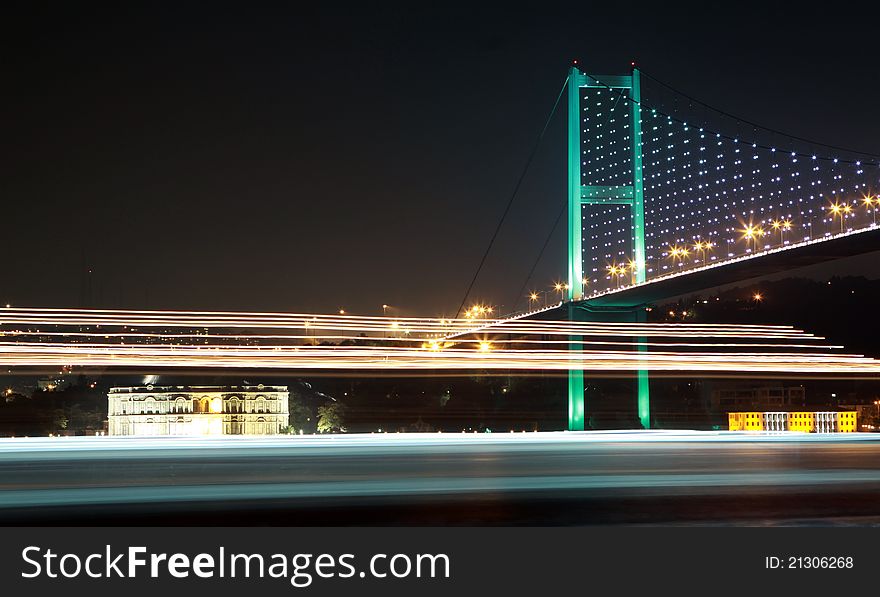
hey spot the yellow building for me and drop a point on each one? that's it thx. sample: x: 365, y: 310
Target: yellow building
x: 847, y: 422
x: 746, y: 422
x: 806, y: 422
x: 802, y: 421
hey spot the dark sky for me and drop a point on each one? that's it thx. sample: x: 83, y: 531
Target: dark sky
x: 315, y: 159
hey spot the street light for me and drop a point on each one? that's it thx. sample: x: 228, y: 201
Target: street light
x: 702, y: 247
x: 684, y: 253
x: 633, y: 267
x: 560, y: 287
x: 869, y: 201
x: 752, y: 233
x: 748, y: 233
x: 533, y: 298
x: 616, y: 271
x: 838, y: 210
x: 777, y: 225
x: 678, y: 254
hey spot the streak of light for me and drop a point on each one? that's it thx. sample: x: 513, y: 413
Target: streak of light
x: 347, y: 357
x: 434, y: 344
x: 193, y: 339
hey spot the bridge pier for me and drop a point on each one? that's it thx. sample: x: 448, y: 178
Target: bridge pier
x: 575, y: 382
x: 581, y: 411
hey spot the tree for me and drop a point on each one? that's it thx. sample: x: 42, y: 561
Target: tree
x: 331, y: 418
x: 301, y: 415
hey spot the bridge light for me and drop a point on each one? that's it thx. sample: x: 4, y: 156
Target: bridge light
x: 869, y: 201
x: 839, y: 210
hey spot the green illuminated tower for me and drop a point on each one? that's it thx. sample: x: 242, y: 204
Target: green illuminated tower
x: 580, y: 195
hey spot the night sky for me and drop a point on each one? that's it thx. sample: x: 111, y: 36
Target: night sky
x: 313, y: 160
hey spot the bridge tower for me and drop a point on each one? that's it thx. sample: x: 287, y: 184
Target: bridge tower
x: 579, y: 195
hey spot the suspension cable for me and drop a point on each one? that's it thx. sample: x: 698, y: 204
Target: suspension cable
x: 512, y: 197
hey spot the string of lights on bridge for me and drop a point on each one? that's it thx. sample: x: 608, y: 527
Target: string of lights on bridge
x: 709, y: 195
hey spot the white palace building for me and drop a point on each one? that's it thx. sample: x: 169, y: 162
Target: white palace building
x: 197, y: 410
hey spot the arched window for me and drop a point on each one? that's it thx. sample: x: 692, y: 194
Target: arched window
x: 261, y: 404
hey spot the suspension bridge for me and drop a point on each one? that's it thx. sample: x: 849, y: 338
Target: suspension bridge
x: 666, y: 196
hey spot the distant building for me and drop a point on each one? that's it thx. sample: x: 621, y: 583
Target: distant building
x: 867, y: 414
x: 809, y: 422
x: 51, y: 384
x: 737, y: 397
x: 197, y: 410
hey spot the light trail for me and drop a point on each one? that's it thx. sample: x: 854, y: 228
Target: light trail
x: 337, y: 357
x: 496, y: 340
x: 120, y: 447
x: 379, y: 325
x: 202, y: 339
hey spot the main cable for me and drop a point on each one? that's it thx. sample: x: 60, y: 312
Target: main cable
x: 512, y: 197
x: 645, y: 106
x: 754, y: 124
x: 519, y: 294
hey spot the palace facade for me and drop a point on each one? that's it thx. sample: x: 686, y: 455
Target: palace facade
x: 809, y: 422
x: 197, y: 410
